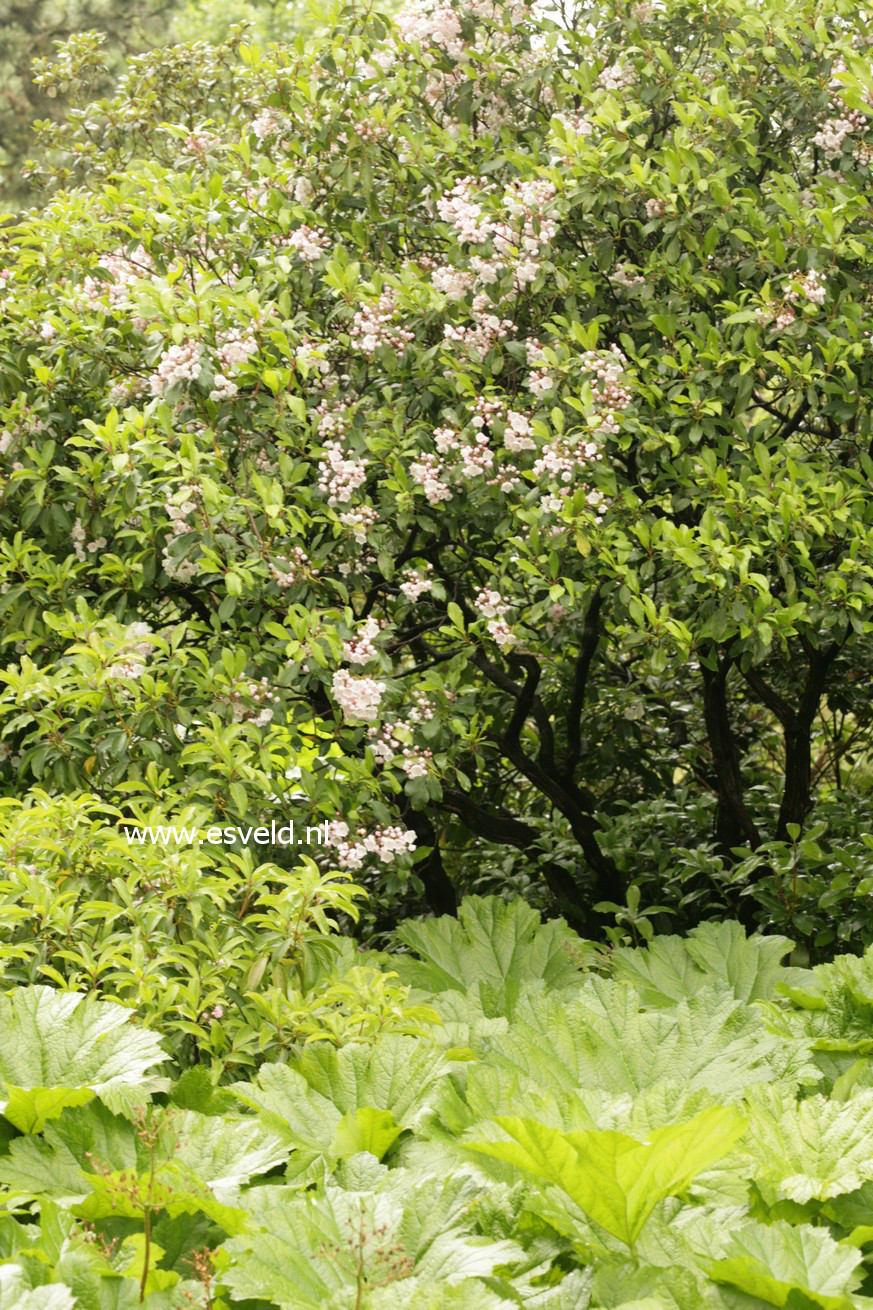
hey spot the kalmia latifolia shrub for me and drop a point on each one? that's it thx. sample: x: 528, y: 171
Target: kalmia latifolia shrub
x: 456, y: 429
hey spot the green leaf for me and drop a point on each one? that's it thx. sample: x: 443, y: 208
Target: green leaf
x: 492, y: 941
x: 771, y: 1262
x: 614, y: 1178
x: 366, y: 1129
x: 60, y: 1048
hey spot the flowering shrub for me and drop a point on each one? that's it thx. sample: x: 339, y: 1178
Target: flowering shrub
x: 469, y: 362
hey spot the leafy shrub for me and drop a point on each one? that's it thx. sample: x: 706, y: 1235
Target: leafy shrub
x: 459, y: 426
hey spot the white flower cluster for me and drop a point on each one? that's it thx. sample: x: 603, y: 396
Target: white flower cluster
x: 339, y: 475
x: 373, y: 326
x: 387, y: 844
x: 133, y: 652
x: 247, y: 690
x: 177, y: 364
x: 310, y: 243
x: 415, y: 585
x: 360, y: 650
x: 81, y: 543
x: 358, y: 698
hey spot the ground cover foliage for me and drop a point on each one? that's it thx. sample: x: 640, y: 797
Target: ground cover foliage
x: 669, y: 1127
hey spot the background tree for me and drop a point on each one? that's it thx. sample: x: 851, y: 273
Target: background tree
x: 460, y: 429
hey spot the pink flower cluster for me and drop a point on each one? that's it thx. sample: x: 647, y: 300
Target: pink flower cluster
x: 811, y: 285
x: 339, y: 475
x: 80, y: 541
x: 490, y: 604
x: 387, y: 844
x: 358, y: 698
x: 360, y: 650
x: 245, y: 691
x: 287, y: 573
x: 453, y: 283
x: 179, y: 513
x: 428, y: 472
x: 483, y: 333
x: 310, y: 243
x: 362, y: 519
x: 624, y: 275
x: 389, y: 745
x: 431, y: 24
x: 124, y: 269
x: 517, y: 436
x: 609, y: 393
x: 265, y: 124
x: 131, y: 656
x: 464, y: 214
x: 373, y: 326
x: 833, y: 131
x: 177, y: 364
x: 415, y: 585
x: 531, y: 228
x: 614, y: 77
x: 236, y: 347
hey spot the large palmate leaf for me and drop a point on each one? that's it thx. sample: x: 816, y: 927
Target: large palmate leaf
x: 61, y: 1048
x: 495, y: 944
x: 670, y: 968
x: 809, y: 1149
x: 604, y: 1039
x: 303, y: 1251
x: 630, y: 1286
x: 410, y: 1294
x: 17, y: 1293
x: 338, y: 1102
x: 833, y: 1005
x: 80, y: 1157
x: 772, y: 1261
x: 617, y: 1180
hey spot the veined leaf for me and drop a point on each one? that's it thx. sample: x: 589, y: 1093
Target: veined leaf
x: 670, y: 968
x: 493, y: 942
x: 772, y: 1261
x: 310, y: 1247
x: 61, y: 1048
x: 617, y: 1180
x: 809, y: 1149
